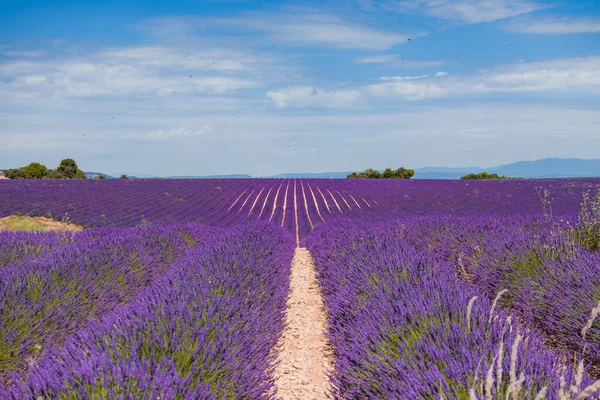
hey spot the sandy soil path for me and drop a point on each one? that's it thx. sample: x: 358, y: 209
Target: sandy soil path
x: 304, y: 357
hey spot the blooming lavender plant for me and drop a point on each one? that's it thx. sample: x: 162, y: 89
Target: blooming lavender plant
x: 44, y: 300
x: 403, y: 326
x: 205, y: 329
x: 228, y: 202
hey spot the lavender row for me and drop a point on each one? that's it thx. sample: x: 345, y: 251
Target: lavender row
x: 220, y: 202
x: 403, y: 326
x: 20, y: 247
x: 206, y: 329
x: 551, y: 280
x: 47, y: 298
x: 298, y: 205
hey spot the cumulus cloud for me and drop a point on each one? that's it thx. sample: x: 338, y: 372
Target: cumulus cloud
x: 309, y: 97
x: 129, y: 71
x: 406, y: 88
x: 573, y: 75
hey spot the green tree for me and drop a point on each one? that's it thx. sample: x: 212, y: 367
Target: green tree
x: 370, y: 173
x: 98, y: 177
x: 68, y: 167
x: 403, y: 173
x: 485, y: 176
x: 15, y: 173
x: 35, y: 170
x: 124, y: 176
x: 55, y: 174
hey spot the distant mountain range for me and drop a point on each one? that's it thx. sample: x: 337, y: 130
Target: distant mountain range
x: 545, y: 168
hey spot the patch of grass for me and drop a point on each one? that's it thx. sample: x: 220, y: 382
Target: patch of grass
x: 20, y: 223
x: 26, y: 223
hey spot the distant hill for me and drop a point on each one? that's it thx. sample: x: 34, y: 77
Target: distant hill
x: 92, y: 175
x: 444, y: 172
x: 545, y: 168
x: 550, y: 168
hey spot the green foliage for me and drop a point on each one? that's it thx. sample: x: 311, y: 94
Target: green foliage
x: 68, y: 167
x: 80, y: 175
x: 35, y: 170
x: 98, y: 177
x: 370, y: 173
x: 485, y: 176
x: 15, y: 173
x: 123, y: 176
x: 55, y: 174
x: 587, y: 230
x: 66, y: 170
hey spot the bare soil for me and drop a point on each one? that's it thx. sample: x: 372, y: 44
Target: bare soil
x: 305, y: 356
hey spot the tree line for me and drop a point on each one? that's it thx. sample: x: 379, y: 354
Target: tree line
x: 370, y: 173
x: 485, y: 176
x: 67, y: 169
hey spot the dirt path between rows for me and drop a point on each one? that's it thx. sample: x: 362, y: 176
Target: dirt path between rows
x: 304, y: 358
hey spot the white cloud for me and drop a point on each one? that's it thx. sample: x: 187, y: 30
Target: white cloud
x: 406, y: 88
x: 556, y: 25
x: 309, y: 97
x: 567, y: 75
x: 397, y: 61
x: 402, y: 78
x: 129, y: 71
x: 573, y: 75
x: 331, y: 31
x: 467, y: 11
x: 382, y: 59
x: 175, y: 132
x: 183, y: 58
x: 570, y: 75
x: 302, y: 27
x: 32, y: 80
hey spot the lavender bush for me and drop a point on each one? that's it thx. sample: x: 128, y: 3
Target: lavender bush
x: 206, y: 329
x: 403, y: 326
x: 44, y: 300
x: 553, y: 282
x: 228, y: 202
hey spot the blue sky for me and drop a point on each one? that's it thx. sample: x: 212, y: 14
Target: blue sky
x: 264, y: 87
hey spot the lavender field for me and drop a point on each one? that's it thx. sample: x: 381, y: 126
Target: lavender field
x: 179, y: 289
